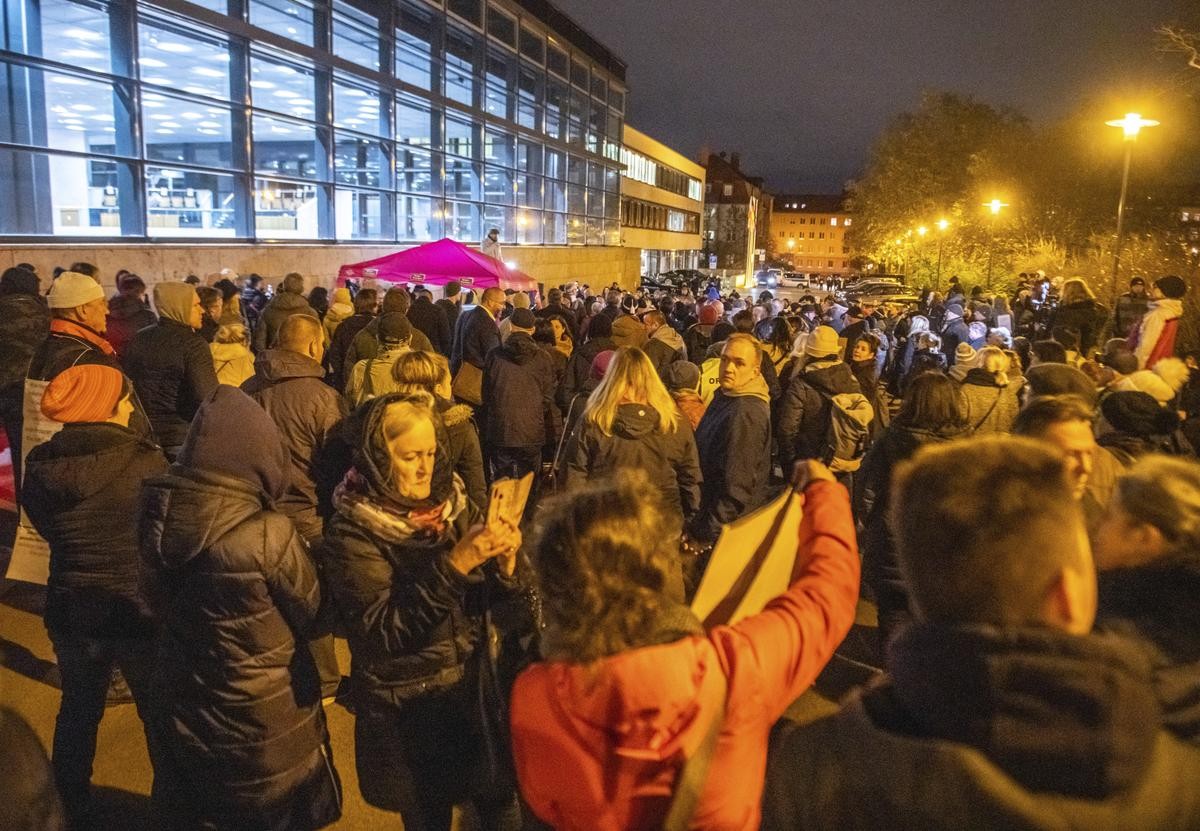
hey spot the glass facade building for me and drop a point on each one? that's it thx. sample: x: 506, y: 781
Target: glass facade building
x: 286, y: 120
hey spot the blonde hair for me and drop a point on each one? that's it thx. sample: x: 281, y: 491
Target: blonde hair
x: 995, y: 361
x: 400, y: 416
x: 420, y: 371
x: 1075, y: 291
x: 232, y: 333
x: 630, y: 377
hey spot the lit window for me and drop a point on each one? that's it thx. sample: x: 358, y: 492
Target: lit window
x: 291, y: 19
x: 833, y: 221
x: 727, y: 190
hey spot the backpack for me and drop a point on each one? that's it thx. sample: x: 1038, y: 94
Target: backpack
x: 710, y: 379
x: 848, y: 430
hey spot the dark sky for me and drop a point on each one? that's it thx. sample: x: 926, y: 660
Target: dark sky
x: 802, y: 87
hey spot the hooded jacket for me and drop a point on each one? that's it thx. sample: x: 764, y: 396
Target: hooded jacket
x: 233, y: 362
x: 340, y: 310
x: 988, y: 729
x: 518, y: 392
x: 126, y: 317
x: 805, y: 412
x: 81, y: 488
x: 668, y: 459
x: 244, y: 737
x: 1156, y: 333
x: 339, y: 346
x: 664, y: 348
x: 291, y: 388
x: 598, y: 747
x: 412, y: 619
x: 282, y: 306
x: 734, y: 444
x: 171, y: 368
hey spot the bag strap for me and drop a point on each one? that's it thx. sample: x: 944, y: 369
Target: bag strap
x: 689, y: 784
x: 995, y: 401
x: 368, y: 381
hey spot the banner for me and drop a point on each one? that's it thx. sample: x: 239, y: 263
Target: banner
x: 30, y: 561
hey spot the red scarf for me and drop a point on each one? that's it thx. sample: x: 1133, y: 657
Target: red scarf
x: 78, y: 330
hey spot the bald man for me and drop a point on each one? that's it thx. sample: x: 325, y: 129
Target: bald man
x: 478, y: 332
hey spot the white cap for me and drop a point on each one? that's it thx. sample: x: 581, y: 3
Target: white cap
x: 72, y: 289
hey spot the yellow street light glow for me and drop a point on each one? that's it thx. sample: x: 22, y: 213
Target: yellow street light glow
x: 1132, y: 124
x: 995, y: 205
x: 922, y: 230
x: 943, y: 224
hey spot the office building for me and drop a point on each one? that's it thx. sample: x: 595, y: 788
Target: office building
x: 809, y: 232
x: 662, y: 199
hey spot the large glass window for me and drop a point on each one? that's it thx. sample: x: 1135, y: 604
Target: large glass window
x: 355, y: 35
x: 415, y: 220
x: 462, y: 221
x: 529, y: 156
x: 463, y: 179
x: 414, y: 122
x: 533, y: 46
x: 500, y: 69
x: 502, y: 27
x: 579, y: 74
x: 416, y: 45
x: 357, y: 108
x: 283, y: 87
x: 599, y: 88
x: 49, y: 193
x: 463, y: 58
x: 292, y: 19
x: 361, y: 214
x: 183, y: 60
x: 529, y: 191
x: 460, y: 135
x: 557, y: 61
x: 414, y: 170
x: 73, y: 113
x: 554, y: 229
x: 529, y: 97
x: 288, y: 148
x: 557, y: 98
x: 178, y: 131
x: 470, y: 10
x: 498, y: 148
x: 529, y: 227
x: 191, y: 203
x: 286, y: 210
x: 359, y: 161
x: 72, y: 33
x: 497, y: 186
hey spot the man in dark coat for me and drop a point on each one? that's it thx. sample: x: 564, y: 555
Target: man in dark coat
x: 806, y: 410
x: 576, y: 378
x: 288, y: 301
x: 254, y: 300
x: 366, y: 344
x: 734, y: 441
x: 663, y: 346
x: 429, y: 319
x: 999, y: 709
x: 478, y: 332
x: 170, y: 364
x: 451, y: 305
x: 289, y: 384
x: 335, y: 357
x: 518, y: 391
x: 24, y: 324
x: 81, y: 491
x: 954, y: 332
x: 1130, y: 307
x: 555, y: 307
x: 238, y: 719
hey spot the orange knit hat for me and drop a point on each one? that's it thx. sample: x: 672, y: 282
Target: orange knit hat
x: 89, y: 392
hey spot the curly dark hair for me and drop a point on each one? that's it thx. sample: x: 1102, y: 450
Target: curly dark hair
x: 602, y: 563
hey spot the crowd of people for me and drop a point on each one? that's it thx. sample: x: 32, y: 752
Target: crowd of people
x: 241, y: 473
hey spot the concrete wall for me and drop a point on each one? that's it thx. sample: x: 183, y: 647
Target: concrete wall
x: 594, y: 265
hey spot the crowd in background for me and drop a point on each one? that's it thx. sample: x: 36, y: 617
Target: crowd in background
x: 245, y: 472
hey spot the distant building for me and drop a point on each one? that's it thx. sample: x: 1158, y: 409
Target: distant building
x: 809, y: 231
x: 662, y: 199
x: 737, y: 215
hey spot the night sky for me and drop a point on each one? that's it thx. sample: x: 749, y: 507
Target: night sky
x: 802, y: 87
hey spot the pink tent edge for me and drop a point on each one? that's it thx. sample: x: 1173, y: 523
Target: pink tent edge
x: 437, y: 263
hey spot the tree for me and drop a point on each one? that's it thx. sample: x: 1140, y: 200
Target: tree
x: 1179, y: 39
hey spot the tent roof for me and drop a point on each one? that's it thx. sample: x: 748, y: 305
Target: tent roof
x: 437, y: 263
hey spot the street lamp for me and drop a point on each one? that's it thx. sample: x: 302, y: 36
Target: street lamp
x: 995, y: 206
x: 1130, y: 125
x: 942, y: 225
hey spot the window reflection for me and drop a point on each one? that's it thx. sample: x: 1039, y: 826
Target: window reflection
x: 283, y: 87
x: 190, y: 203
x: 291, y: 19
x: 181, y: 60
x: 288, y: 148
x: 285, y: 210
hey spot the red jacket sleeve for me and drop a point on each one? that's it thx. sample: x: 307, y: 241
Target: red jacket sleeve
x: 784, y: 647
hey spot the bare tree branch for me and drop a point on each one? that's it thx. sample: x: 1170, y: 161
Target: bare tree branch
x: 1178, y: 39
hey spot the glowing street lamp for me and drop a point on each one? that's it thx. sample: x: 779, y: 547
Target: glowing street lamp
x: 995, y: 206
x: 1130, y: 125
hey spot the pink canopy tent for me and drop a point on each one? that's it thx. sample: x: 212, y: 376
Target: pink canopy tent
x: 437, y: 263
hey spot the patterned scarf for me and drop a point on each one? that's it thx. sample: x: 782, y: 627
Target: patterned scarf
x: 392, y: 522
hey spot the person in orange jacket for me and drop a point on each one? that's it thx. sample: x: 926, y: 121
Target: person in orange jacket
x: 631, y: 683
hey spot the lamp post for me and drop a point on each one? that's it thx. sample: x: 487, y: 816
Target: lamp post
x: 995, y: 206
x: 942, y: 225
x: 921, y: 232
x: 1130, y: 125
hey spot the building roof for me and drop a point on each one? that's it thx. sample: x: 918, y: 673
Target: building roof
x: 575, y: 34
x: 811, y: 203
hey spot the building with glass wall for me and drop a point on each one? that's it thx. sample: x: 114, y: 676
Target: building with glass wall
x: 662, y: 200
x: 254, y: 122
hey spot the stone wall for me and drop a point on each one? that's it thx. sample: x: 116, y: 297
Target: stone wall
x: 595, y: 265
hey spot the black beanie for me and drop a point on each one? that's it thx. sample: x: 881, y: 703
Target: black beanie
x: 228, y: 422
x: 1171, y: 286
x: 1138, y: 414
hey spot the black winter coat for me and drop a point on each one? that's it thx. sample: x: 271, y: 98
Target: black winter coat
x: 669, y: 459
x: 81, y: 489
x: 1156, y: 604
x: 24, y: 324
x: 462, y: 441
x: 451, y: 310
x: 429, y: 319
x: 1086, y: 317
x: 954, y: 334
x: 126, y: 317
x: 734, y: 444
x: 518, y: 392
x: 577, y: 376
x: 171, y: 368
x: 282, y: 306
x: 804, y: 416
x: 291, y: 388
x: 365, y: 345
x: 244, y: 742
x: 475, y: 336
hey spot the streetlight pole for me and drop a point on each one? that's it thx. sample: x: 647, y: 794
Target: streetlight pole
x: 942, y: 225
x: 995, y: 206
x: 1131, y: 125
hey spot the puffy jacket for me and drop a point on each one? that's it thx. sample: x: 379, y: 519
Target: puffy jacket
x: 244, y: 743
x: 172, y: 370
x: 805, y: 411
x: 664, y: 348
x: 372, y: 377
x: 669, y: 459
x: 233, y: 362
x: 24, y: 324
x: 597, y: 747
x: 365, y: 345
x: 338, y: 313
x: 291, y: 388
x: 81, y: 488
x: 462, y: 441
x: 126, y: 317
x: 996, y: 730
x: 282, y: 306
x: 518, y: 392
x: 734, y: 443
x: 431, y: 320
